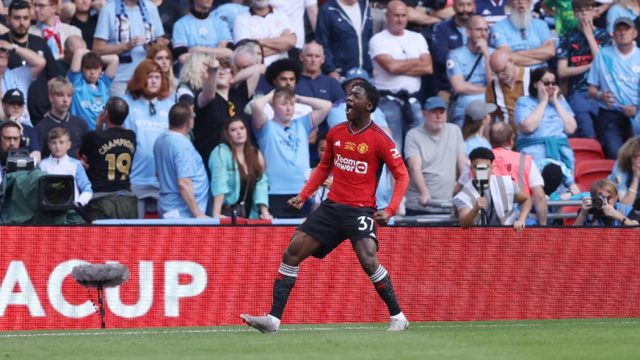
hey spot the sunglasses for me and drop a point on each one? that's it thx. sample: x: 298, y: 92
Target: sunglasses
x: 549, y: 83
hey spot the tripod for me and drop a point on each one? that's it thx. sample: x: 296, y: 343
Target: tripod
x: 483, y: 212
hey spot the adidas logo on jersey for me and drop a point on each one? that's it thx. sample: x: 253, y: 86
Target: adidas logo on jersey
x: 337, y: 143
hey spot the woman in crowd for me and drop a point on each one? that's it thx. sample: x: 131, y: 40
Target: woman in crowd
x: 544, y: 119
x: 476, y: 125
x: 626, y: 173
x: 603, y: 208
x: 193, y: 74
x: 238, y: 181
x: 149, y: 104
x: 161, y: 54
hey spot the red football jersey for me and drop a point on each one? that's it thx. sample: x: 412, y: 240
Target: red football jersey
x: 355, y: 160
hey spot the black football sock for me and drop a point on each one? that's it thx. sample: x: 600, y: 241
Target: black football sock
x: 382, y: 281
x: 282, y: 286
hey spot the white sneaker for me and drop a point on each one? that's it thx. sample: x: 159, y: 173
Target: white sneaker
x: 398, y: 324
x: 264, y: 324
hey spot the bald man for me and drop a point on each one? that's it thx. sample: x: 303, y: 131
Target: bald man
x: 312, y: 82
x: 509, y: 83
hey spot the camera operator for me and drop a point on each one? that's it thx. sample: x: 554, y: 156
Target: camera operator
x: 488, y: 199
x: 10, y: 137
x: 603, y: 209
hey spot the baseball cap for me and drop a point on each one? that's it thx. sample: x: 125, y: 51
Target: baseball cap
x: 623, y: 20
x: 356, y: 73
x: 433, y: 103
x: 478, y: 110
x: 13, y: 96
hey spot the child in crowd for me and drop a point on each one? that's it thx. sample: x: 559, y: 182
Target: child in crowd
x: 59, y: 163
x: 91, y: 84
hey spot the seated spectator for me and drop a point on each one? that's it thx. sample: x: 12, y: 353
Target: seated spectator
x: 344, y: 30
x: 575, y: 54
x: 108, y: 153
x: 149, y: 104
x: 59, y: 163
x: 559, y: 182
x: 49, y: 26
x: 73, y: 44
x: 270, y: 27
x: 529, y: 38
x: 200, y: 31
x: 60, y: 95
x: 238, y: 179
x: 468, y: 69
x: 488, y: 199
x: 184, y: 186
x: 477, y: 118
x: 193, y: 74
x: 603, y: 208
x: 284, y: 142
x: 126, y: 28
x: 508, y: 85
x: 626, y: 173
x: 161, y: 54
x: 91, y: 84
x: 227, y: 13
x: 14, y: 109
x: 435, y: 154
x: 613, y: 81
x: 544, y: 120
x: 621, y: 8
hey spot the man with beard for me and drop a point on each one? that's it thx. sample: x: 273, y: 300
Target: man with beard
x: 19, y: 20
x: 449, y: 35
x: 10, y: 138
x: 530, y: 39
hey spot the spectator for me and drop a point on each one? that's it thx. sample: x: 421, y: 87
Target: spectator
x: 91, y: 84
x: 344, y: 30
x: 622, y: 8
x: 238, y: 178
x: 544, y: 119
x: 492, y: 10
x: 170, y: 12
x: 73, y: 44
x: 434, y: 153
x: 59, y: 163
x: 85, y: 20
x: 285, y: 73
x: 468, y: 69
x: 313, y: 82
x: 295, y: 11
x: 227, y: 13
x: 613, y: 81
x: 184, y: 186
x: 218, y: 101
x: 10, y: 138
x: 270, y: 27
x: 108, y: 153
x: 284, y: 142
x: 193, y: 74
x: 603, y: 209
x: 400, y: 57
x: 60, y: 95
x: 200, y: 31
x: 626, y: 173
x: 509, y: 84
x: 477, y: 120
x: 25, y: 46
x: 149, y: 104
x: 126, y: 28
x: 322, y: 193
x: 161, y: 54
x: 14, y: 109
x: 447, y: 36
x: 493, y: 199
x: 529, y: 38
x: 49, y: 26
x: 249, y: 52
x: 575, y: 54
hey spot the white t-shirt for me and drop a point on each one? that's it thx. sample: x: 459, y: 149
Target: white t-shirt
x: 247, y: 26
x: 294, y: 9
x: 353, y: 12
x: 409, y: 45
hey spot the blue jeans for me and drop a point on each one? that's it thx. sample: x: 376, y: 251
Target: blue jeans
x: 401, y: 117
x: 585, y: 110
x: 613, y: 129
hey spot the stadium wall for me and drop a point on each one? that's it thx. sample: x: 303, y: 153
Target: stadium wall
x: 200, y: 276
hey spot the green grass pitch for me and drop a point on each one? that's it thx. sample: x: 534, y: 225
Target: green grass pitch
x: 547, y: 339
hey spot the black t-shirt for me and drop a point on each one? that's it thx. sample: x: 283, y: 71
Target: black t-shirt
x: 76, y: 127
x: 88, y: 28
x: 37, y: 97
x: 110, y: 154
x: 207, y: 129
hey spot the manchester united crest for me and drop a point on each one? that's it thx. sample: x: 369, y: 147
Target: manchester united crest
x: 363, y: 148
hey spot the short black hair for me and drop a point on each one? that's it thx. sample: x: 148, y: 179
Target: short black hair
x: 552, y: 176
x: 536, y: 75
x: 372, y: 93
x: 8, y: 124
x: 481, y: 153
x: 281, y: 65
x: 117, y: 110
x: 18, y: 5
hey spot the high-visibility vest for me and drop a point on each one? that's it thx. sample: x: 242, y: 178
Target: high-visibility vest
x: 514, y: 164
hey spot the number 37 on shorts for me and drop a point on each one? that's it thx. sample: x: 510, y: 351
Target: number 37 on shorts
x: 366, y: 226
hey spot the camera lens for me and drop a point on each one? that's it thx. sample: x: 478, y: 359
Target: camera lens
x: 598, y: 202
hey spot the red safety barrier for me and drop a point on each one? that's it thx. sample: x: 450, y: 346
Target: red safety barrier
x: 195, y: 276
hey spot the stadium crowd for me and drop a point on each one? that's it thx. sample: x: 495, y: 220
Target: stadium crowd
x: 203, y: 108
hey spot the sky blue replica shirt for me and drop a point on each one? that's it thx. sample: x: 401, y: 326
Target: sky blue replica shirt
x: 626, y: 70
x: 228, y: 12
x: 617, y: 11
x: 176, y: 158
x: 286, y: 154
x: 504, y: 33
x: 190, y: 32
x: 460, y: 62
x: 88, y: 101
